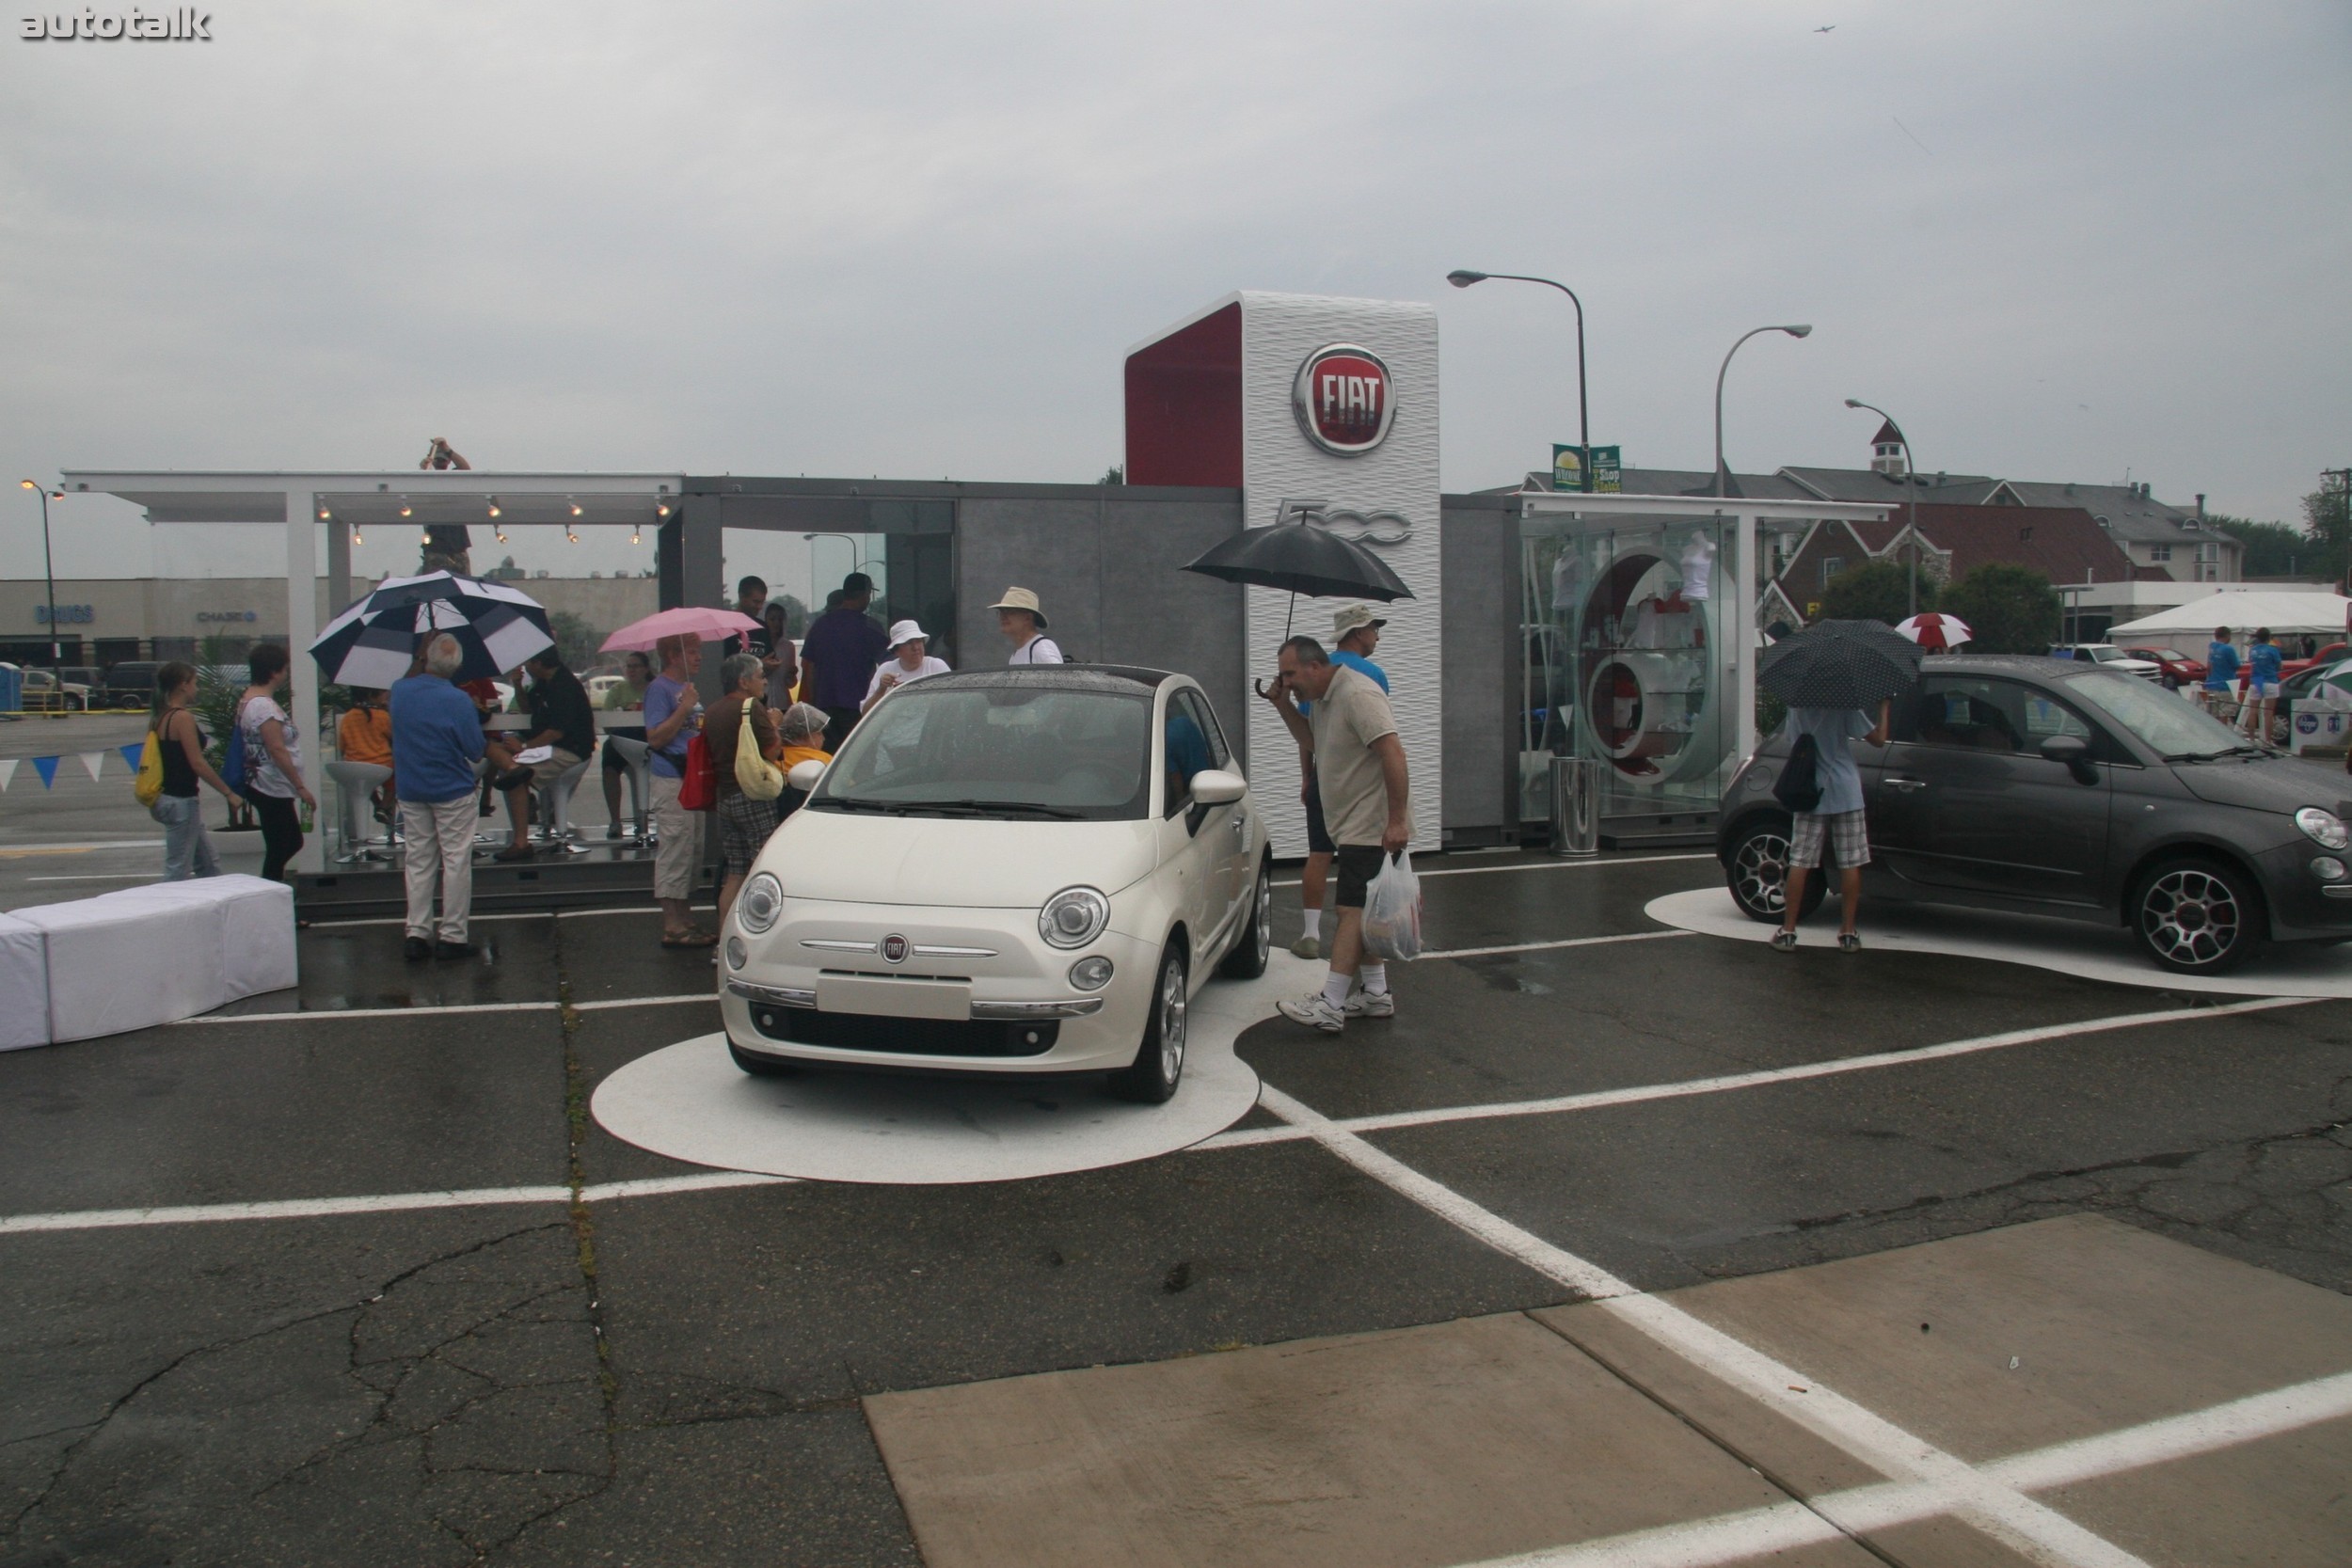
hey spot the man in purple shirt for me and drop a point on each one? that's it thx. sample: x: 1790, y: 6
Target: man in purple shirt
x: 838, y: 657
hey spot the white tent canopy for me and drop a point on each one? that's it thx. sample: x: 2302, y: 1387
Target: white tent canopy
x: 2282, y: 611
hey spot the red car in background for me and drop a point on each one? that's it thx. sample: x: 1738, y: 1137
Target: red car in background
x: 2176, y: 668
x: 2327, y: 655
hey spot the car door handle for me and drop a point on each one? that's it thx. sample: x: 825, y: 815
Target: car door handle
x: 1906, y: 785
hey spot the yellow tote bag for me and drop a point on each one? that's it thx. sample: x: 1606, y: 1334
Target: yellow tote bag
x: 762, y: 779
x: 149, y: 785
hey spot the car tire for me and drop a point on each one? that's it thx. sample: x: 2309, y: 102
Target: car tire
x: 1248, y: 960
x: 761, y: 1066
x: 2197, y: 916
x: 1756, y: 871
x: 1152, y: 1078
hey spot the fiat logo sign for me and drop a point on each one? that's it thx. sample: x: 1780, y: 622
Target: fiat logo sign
x: 1345, y: 398
x: 894, y: 949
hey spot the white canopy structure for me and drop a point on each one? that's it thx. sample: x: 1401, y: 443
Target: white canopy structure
x: 2322, y: 614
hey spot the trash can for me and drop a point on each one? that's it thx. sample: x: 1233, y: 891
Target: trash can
x: 1575, y: 806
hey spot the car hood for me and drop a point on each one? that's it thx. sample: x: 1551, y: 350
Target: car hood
x: 965, y: 862
x: 2261, y: 785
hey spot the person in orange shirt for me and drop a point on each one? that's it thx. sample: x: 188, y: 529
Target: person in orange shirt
x: 366, y: 736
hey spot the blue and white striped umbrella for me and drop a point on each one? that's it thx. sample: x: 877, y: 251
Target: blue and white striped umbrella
x: 374, y: 643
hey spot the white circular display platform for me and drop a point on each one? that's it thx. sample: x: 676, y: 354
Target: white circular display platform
x: 2073, y: 947
x: 689, y: 1101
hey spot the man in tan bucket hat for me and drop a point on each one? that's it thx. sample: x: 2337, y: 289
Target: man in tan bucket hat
x: 1022, y: 621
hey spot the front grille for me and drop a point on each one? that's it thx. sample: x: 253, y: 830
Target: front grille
x: 912, y: 1037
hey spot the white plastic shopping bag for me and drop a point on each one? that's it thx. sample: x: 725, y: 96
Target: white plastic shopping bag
x: 1392, y: 911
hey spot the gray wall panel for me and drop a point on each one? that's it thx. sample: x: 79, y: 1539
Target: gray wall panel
x: 1481, y: 574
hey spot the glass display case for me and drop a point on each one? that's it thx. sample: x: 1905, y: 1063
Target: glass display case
x: 1627, y: 661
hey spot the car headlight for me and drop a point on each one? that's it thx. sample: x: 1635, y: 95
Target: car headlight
x: 759, y: 903
x: 1073, y: 917
x: 1090, y: 974
x: 2323, y: 828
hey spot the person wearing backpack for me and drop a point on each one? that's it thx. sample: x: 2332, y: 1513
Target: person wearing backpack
x: 180, y: 749
x: 1836, y: 815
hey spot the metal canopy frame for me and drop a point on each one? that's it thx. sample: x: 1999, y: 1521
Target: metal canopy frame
x: 1535, y: 505
x: 299, y: 502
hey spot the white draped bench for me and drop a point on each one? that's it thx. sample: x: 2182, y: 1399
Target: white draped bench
x: 141, y: 957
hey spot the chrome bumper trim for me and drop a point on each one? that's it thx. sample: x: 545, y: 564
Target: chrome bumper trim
x: 1028, y: 1012
x: 2336, y: 890
x: 781, y: 996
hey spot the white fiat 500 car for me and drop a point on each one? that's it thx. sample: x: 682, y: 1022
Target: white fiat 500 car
x: 1011, y: 871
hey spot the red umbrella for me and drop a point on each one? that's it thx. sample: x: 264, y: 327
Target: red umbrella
x: 1933, y: 630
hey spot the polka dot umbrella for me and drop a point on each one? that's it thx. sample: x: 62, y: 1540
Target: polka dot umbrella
x: 1841, y: 664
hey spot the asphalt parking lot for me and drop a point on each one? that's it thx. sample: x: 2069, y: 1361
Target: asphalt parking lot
x: 300, y: 1288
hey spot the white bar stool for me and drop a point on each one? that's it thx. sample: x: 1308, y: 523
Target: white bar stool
x: 633, y: 753
x: 356, y: 783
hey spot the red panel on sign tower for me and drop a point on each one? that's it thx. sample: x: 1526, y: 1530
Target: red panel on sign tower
x: 1183, y: 405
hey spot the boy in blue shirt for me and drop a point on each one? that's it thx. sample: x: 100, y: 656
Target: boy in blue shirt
x: 2220, y: 670
x: 2262, y: 687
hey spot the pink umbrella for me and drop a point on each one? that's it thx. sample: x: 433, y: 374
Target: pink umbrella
x: 1933, y: 630
x: 689, y: 621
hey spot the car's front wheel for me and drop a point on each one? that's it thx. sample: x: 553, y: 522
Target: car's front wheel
x: 1246, y: 962
x: 2198, y: 917
x: 1758, y: 872
x: 1151, y: 1079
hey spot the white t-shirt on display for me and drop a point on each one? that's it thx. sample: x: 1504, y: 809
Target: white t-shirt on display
x: 931, y: 665
x: 1040, y: 649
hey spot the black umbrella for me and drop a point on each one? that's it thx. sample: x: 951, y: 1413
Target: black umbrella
x: 1843, y: 664
x: 1300, y: 558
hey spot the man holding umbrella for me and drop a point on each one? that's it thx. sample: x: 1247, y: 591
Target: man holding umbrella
x: 1834, y: 676
x: 437, y: 740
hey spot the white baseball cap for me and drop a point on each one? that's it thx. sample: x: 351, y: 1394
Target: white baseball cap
x: 905, y: 631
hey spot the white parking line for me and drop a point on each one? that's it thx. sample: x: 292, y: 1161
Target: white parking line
x: 381, y: 1203
x: 1950, y: 1484
x: 321, y: 1015
x: 1782, y: 1526
x: 1590, y: 1100
x: 1540, y: 865
x: 1547, y: 947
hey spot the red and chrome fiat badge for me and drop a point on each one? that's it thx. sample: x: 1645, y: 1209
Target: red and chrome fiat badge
x: 894, y: 948
x: 1344, y: 398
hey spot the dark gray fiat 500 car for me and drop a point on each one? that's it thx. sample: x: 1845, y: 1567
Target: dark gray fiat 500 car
x: 2042, y: 787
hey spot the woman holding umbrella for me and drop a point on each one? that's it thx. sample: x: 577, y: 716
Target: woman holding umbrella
x: 1839, y: 679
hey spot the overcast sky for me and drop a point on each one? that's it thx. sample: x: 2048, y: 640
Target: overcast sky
x: 2058, y: 241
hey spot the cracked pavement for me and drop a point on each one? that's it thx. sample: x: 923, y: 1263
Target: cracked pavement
x: 677, y: 1379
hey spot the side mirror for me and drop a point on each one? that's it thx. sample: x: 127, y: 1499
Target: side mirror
x: 2074, y: 752
x: 1215, y: 786
x: 804, y: 776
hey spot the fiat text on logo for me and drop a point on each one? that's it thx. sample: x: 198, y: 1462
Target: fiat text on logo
x: 894, y: 948
x: 1345, y: 398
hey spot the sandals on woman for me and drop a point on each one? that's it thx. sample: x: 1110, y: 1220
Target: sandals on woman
x: 689, y: 938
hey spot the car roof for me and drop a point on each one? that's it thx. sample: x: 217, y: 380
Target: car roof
x: 2002, y: 664
x: 1121, y: 678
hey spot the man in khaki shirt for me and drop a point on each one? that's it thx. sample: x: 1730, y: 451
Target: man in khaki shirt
x: 1367, y: 804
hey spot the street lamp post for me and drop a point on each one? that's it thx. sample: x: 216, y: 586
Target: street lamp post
x: 857, y: 562
x: 1722, y: 473
x: 1910, y: 484
x: 49, y: 570
x: 1463, y: 279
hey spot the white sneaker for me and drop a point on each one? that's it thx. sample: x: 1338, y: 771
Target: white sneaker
x: 1306, y: 948
x: 1314, y: 1011
x: 1363, y: 1004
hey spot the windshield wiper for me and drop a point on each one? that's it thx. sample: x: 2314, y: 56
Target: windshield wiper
x: 850, y: 802
x: 1027, y: 808
x: 2211, y: 756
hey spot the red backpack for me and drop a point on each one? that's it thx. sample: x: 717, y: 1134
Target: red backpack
x: 698, y: 783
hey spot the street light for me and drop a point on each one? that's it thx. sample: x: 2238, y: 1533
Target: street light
x: 49, y: 568
x: 857, y: 562
x: 1911, y: 483
x: 1463, y: 279
x: 1722, y: 473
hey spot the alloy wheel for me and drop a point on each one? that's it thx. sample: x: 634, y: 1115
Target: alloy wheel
x: 1264, y: 919
x: 1759, y: 872
x: 1173, y: 1008
x: 2190, y: 917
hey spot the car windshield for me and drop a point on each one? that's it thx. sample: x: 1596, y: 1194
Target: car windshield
x: 990, y: 751
x: 2172, y: 728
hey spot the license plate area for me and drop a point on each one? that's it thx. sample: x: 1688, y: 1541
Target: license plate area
x: 880, y: 997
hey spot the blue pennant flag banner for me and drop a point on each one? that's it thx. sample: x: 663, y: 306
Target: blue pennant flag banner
x: 131, y: 754
x: 47, y: 768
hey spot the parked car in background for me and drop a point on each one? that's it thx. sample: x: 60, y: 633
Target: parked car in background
x: 1008, y: 871
x: 2033, y: 786
x: 45, y: 693
x: 2177, y: 667
x: 2331, y: 654
x: 130, y: 684
x: 2108, y: 656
